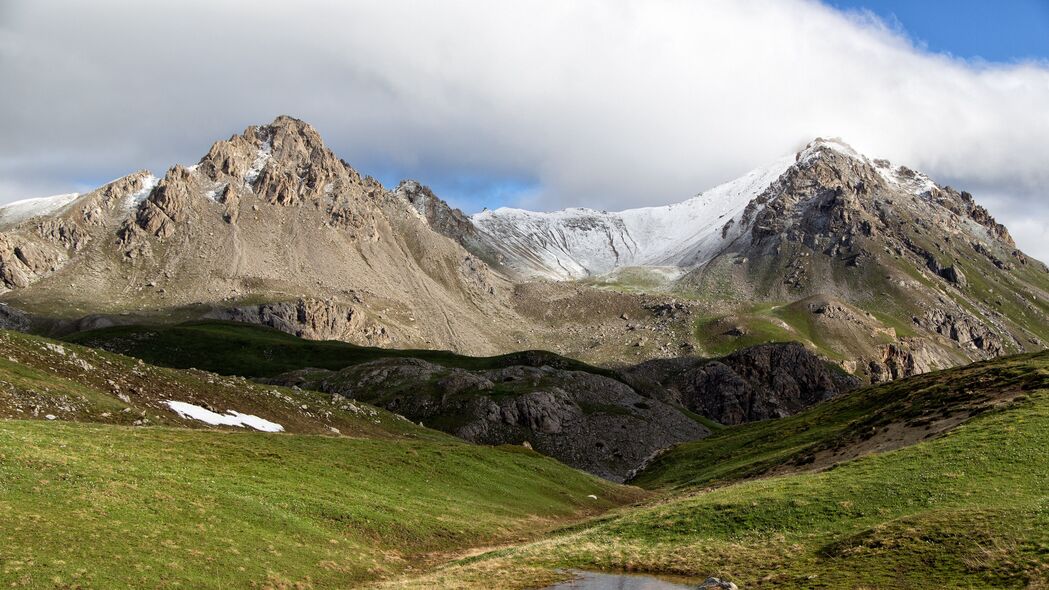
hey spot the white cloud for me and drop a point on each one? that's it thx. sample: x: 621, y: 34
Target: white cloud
x: 598, y: 102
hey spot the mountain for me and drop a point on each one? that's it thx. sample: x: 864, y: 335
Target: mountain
x: 580, y: 243
x: 268, y: 218
x: 872, y: 264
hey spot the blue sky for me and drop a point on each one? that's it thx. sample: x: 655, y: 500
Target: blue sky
x: 992, y: 30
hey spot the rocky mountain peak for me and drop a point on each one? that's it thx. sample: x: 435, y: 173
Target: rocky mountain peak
x: 285, y: 162
x: 441, y: 216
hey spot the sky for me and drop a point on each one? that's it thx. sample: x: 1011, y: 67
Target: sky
x: 544, y: 104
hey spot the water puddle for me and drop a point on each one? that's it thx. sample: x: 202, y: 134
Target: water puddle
x: 596, y: 581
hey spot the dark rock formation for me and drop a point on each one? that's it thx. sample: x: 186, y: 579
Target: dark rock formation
x: 607, y: 424
x: 756, y: 383
x: 588, y: 421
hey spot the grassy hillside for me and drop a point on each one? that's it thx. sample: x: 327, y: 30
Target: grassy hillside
x: 102, y: 490
x: 880, y: 418
x: 45, y: 379
x: 102, y: 506
x: 231, y: 348
x: 968, y: 508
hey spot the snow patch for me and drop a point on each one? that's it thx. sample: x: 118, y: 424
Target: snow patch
x: 576, y: 243
x: 215, y: 192
x: 19, y: 211
x: 135, y: 199
x: 812, y: 150
x: 230, y: 418
x: 264, y: 155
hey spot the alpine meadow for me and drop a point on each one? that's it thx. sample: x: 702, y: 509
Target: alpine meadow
x: 440, y: 306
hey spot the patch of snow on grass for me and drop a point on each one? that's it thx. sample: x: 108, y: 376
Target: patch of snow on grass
x: 230, y: 418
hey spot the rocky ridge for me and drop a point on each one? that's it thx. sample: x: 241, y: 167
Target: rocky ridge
x: 607, y: 424
x: 271, y: 227
x: 272, y: 216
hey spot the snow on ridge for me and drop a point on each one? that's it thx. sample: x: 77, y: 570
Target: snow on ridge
x: 812, y: 150
x: 579, y: 242
x: 19, y: 211
x: 230, y: 418
x: 264, y: 155
x: 149, y: 182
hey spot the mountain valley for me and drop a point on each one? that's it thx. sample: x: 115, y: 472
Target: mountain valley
x: 267, y: 370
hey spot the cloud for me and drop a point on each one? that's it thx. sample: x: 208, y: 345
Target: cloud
x: 605, y: 103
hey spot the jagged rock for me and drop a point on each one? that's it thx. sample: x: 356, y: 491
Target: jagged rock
x: 756, y: 383
x: 438, y: 214
x: 306, y: 318
x: 902, y: 359
x: 964, y: 329
x: 953, y: 274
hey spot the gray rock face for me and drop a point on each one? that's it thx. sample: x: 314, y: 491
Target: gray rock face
x: 905, y: 358
x: 307, y: 318
x: 717, y: 584
x: 757, y: 383
x: 964, y: 329
x: 588, y: 421
x: 445, y: 220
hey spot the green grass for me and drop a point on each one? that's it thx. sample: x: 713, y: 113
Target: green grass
x: 760, y: 324
x: 968, y: 508
x: 752, y: 449
x: 231, y: 348
x: 102, y: 506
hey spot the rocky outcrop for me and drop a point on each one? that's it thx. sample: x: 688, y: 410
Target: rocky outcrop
x: 444, y: 219
x: 907, y: 357
x: 607, y: 423
x: 756, y: 383
x: 23, y: 261
x: 589, y: 421
x: 964, y: 329
x: 307, y: 318
x: 13, y: 319
x: 167, y: 206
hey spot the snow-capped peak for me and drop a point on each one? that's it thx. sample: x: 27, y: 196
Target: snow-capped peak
x: 579, y: 242
x: 820, y: 146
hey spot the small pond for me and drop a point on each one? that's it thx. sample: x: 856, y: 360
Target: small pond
x: 597, y: 581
